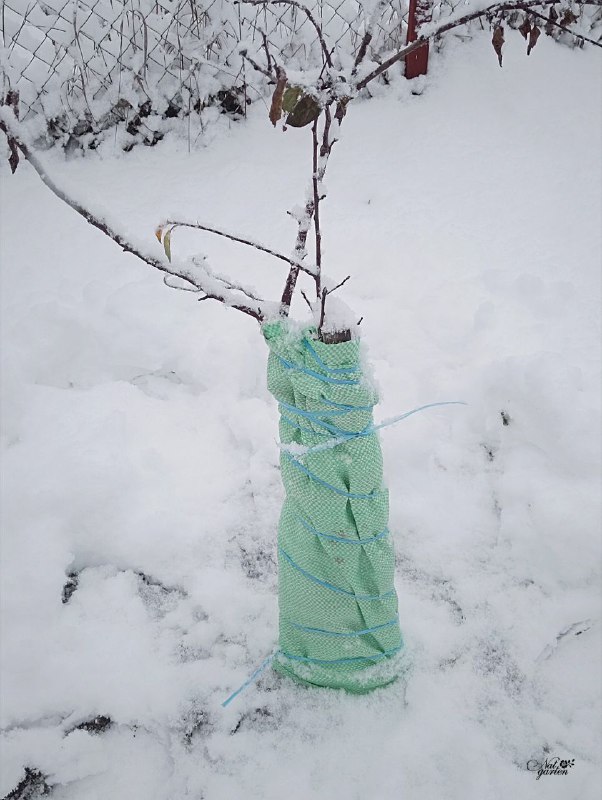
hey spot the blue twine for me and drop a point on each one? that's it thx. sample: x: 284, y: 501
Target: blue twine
x: 321, y: 413
x: 316, y: 418
x: 301, y: 428
x: 394, y: 420
x: 347, y: 436
x: 350, y: 495
x: 322, y: 364
x: 343, y: 436
x: 365, y: 632
x: 330, y: 586
x: 376, y: 657
x: 346, y: 407
x: 313, y: 374
x: 251, y: 679
x: 331, y: 536
x: 340, y: 409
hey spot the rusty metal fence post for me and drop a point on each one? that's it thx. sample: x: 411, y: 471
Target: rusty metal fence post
x: 417, y: 62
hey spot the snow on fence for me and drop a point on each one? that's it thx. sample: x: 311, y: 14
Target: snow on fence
x: 85, y: 66
x: 81, y: 68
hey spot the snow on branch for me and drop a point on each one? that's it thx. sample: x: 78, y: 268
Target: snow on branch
x: 305, y: 10
x: 368, y: 34
x: 322, y: 103
x: 195, y: 274
x: 171, y: 223
x: 432, y: 30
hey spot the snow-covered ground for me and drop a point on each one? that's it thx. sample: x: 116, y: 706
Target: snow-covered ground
x: 140, y: 454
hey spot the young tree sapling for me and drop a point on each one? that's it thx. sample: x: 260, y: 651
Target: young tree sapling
x: 339, y: 625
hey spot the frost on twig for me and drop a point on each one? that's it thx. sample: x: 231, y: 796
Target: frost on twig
x: 197, y: 277
x: 171, y: 223
x: 296, y: 4
x: 329, y: 93
x: 493, y: 12
x: 321, y: 149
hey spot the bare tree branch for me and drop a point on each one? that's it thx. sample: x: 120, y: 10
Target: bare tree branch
x: 338, y: 286
x: 312, y: 209
x: 327, y: 142
x: 309, y: 305
x: 267, y: 50
x: 304, y: 223
x: 235, y: 287
x: 367, y: 38
x: 315, y: 186
x: 320, y: 155
x: 267, y: 72
x: 319, y: 161
x: 335, y: 336
x: 240, y: 240
x: 322, y: 311
x: 289, y: 288
x: 305, y: 10
x: 549, y: 20
x: 171, y: 281
x: 513, y: 5
x: 187, y: 274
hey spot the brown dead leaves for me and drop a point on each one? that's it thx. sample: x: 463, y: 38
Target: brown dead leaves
x: 498, y: 42
x: 276, y: 107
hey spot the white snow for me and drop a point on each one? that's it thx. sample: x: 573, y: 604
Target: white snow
x: 139, y: 439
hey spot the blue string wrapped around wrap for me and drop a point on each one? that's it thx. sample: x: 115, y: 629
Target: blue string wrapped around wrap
x: 339, y: 624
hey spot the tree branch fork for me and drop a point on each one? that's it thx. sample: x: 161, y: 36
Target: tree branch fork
x: 333, y: 92
x: 195, y: 274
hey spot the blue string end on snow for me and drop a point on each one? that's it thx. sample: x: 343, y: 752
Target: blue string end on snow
x: 251, y: 679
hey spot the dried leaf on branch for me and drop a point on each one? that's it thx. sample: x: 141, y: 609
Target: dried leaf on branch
x: 550, y: 27
x: 498, y: 42
x: 304, y: 113
x: 533, y: 37
x: 12, y: 100
x: 568, y: 18
x: 167, y: 244
x: 291, y: 98
x: 525, y: 28
x: 276, y: 107
x: 13, y: 158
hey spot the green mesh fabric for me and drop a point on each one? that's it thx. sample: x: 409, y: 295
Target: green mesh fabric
x: 338, y: 607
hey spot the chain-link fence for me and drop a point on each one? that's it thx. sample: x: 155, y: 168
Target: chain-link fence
x: 83, y: 66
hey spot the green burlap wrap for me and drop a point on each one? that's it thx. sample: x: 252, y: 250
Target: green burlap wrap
x: 338, y: 606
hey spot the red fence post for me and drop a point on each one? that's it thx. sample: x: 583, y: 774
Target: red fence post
x: 417, y: 62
